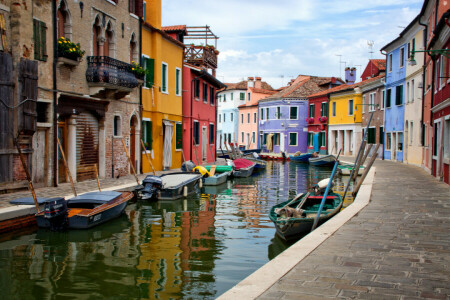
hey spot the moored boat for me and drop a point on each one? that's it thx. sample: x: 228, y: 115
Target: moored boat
x: 291, y: 221
x: 301, y: 158
x: 216, y: 179
x: 84, y: 211
x: 169, y: 186
x: 243, y: 167
x: 326, y: 160
x: 347, y: 169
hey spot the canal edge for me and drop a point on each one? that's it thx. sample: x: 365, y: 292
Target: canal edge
x: 262, y: 279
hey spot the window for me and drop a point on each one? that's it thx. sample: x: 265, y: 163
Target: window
x: 178, y: 81
x: 149, y: 65
x: 229, y: 138
x: 442, y: 65
x: 276, y: 139
x: 381, y: 135
x: 117, y: 126
x: 133, y: 49
x: 197, y: 89
x: 311, y: 110
x: 165, y: 78
x: 178, y: 136
x: 322, y: 139
x: 383, y: 99
x: 211, y: 133
x: 253, y: 137
x: 399, y: 95
x: 205, y: 92
x: 364, y: 104
x: 265, y: 139
x: 135, y: 7
x: 446, y: 149
x: 293, y: 115
x: 196, y: 133
x: 323, y: 109
x: 412, y: 90
x: 407, y: 92
x: 144, y: 11
x: 390, y: 62
x: 411, y: 135
x: 334, y: 109
x: 371, y: 135
x: 262, y: 113
x: 254, y: 118
x: 267, y: 113
x: 64, y: 22
x: 402, y: 57
x: 278, y: 112
x: 220, y: 118
x: 225, y: 98
x: 147, y: 134
x: 372, y: 101
x: 437, y: 132
x: 220, y: 98
x: 248, y: 96
x: 211, y: 95
x: 242, y: 96
x: 292, y: 138
x: 40, y: 38
x: 242, y: 118
x: 248, y: 117
x: 388, y: 98
x: 388, y: 141
x: 242, y: 137
x: 231, y: 96
x: 224, y: 117
x: 231, y: 117
x: 400, y: 141
x: 350, y: 107
x: 310, y: 139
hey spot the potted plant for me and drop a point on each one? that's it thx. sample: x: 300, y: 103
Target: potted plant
x: 323, y: 119
x: 309, y: 120
x: 138, y: 71
x: 69, y: 50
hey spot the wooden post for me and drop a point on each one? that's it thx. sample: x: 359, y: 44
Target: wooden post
x: 182, y: 155
x: 96, y: 175
x: 30, y: 183
x: 196, y: 155
x: 366, y: 170
x: 361, y: 162
x: 67, y: 167
x: 229, y: 152
x: 148, y: 158
x: 129, y: 159
x: 212, y: 154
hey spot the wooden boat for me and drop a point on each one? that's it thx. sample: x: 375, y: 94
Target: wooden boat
x: 259, y: 163
x: 84, y: 211
x: 301, y: 158
x: 243, y: 167
x: 216, y: 179
x: 347, y: 169
x: 273, y: 156
x: 169, y: 186
x: 290, y: 225
x: 326, y: 160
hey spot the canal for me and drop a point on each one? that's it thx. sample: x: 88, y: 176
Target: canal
x: 194, y: 248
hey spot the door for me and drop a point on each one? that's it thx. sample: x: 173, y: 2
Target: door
x: 282, y: 142
x: 204, y: 143
x: 167, y: 148
x: 394, y: 146
x: 40, y: 145
x: 87, y: 146
x: 316, y: 142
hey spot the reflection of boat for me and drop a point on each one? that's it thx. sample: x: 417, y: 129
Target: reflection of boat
x: 216, y: 179
x: 169, y: 186
x: 347, y: 169
x: 326, y: 160
x: 277, y: 246
x: 215, y: 189
x: 243, y: 167
x: 291, y: 222
x: 300, y: 158
x: 259, y: 163
x: 84, y: 211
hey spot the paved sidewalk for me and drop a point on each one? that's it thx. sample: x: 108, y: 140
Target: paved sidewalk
x: 397, y: 247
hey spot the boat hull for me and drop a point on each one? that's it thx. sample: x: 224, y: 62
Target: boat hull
x: 327, y: 160
x: 346, y: 170
x: 301, y: 158
x: 244, y: 172
x: 217, y: 179
x: 176, y: 192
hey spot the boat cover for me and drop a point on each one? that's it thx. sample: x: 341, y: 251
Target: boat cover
x: 28, y: 201
x: 242, y: 163
x: 95, y: 197
x: 177, y: 179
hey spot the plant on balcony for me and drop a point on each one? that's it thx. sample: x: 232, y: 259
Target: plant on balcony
x: 309, y: 120
x: 69, y: 49
x: 138, y: 70
x: 323, y: 119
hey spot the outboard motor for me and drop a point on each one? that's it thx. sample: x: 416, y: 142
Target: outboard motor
x: 321, y: 186
x: 187, y: 166
x: 56, y: 212
x: 152, y: 184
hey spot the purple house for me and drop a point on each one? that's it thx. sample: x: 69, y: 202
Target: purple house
x: 282, y: 116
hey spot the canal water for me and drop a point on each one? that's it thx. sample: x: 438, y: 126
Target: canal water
x: 194, y: 248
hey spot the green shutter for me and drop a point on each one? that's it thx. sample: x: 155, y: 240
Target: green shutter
x: 388, y: 98
x: 149, y: 135
x: 37, y: 42
x: 178, y: 136
x: 43, y: 41
x: 177, y: 72
x: 242, y: 96
x: 149, y: 64
x: 164, y: 83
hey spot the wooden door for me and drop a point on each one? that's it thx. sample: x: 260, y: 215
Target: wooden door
x: 87, y: 146
x: 6, y: 118
x: 40, y: 156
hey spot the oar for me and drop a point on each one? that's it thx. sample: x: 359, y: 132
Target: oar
x: 295, y: 199
x: 303, y: 201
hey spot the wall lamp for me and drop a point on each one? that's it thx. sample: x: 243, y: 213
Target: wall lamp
x: 413, y: 62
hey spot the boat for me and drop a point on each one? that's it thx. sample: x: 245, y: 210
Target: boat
x: 292, y: 223
x: 169, y: 186
x: 301, y: 158
x: 83, y: 211
x: 259, y: 163
x: 216, y: 179
x: 243, y: 167
x: 273, y: 156
x: 325, y: 160
x: 347, y: 169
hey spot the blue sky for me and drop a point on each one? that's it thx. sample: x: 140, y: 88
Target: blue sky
x: 280, y: 39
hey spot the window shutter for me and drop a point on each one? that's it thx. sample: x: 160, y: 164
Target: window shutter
x: 3, y: 44
x: 149, y: 135
x: 36, y: 39
x: 178, y: 136
x: 388, y: 98
x: 43, y: 41
x: 177, y: 78
x: 139, y: 8
x: 150, y: 74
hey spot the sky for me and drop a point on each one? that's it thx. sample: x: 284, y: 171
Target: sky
x: 281, y: 39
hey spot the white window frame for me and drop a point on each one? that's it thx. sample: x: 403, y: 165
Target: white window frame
x: 364, y: 103
x: 353, y: 109
x: 296, y: 139
x: 144, y: 132
x: 407, y: 92
x: 412, y: 91
x: 253, y: 137
x: 402, y: 57
x: 175, y: 136
x: 372, y: 101
x: 278, y: 113
x: 262, y: 113
x: 179, y: 82
x: 119, y: 129
x: 390, y: 63
x: 166, y: 78
x: 145, y: 67
x: 255, y: 119
x: 242, y: 137
x: 290, y: 112
x: 441, y: 73
x: 446, y: 154
x: 242, y: 118
x: 383, y: 99
x: 333, y: 109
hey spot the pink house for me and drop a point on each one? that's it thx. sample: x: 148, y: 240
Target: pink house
x: 248, y: 112
x: 199, y: 114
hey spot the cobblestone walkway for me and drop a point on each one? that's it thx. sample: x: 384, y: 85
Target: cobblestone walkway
x: 398, y: 247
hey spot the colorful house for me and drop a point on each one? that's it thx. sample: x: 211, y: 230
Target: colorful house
x: 162, y: 57
x: 394, y: 115
x: 282, y: 121
x: 248, y: 112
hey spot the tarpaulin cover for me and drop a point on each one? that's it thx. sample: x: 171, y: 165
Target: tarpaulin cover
x: 242, y: 163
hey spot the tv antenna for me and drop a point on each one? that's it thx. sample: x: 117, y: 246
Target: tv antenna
x: 370, y: 44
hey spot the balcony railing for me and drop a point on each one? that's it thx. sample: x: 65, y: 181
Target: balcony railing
x: 201, y: 56
x: 110, y: 73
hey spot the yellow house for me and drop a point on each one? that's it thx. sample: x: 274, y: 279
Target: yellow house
x: 162, y: 57
x: 344, y: 120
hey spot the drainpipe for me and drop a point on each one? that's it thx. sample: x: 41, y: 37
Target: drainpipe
x: 422, y: 125
x: 384, y: 111
x: 140, y: 91
x: 55, y: 96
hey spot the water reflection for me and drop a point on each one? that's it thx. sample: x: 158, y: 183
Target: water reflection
x: 193, y: 248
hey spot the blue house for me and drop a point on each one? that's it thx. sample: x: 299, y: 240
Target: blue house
x: 394, y: 114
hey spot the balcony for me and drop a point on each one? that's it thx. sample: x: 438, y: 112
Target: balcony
x: 106, y: 76
x: 205, y: 56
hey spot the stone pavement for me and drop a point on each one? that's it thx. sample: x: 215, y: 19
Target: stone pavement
x: 397, y: 247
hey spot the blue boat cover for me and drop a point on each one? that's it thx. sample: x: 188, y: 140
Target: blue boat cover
x: 28, y: 201
x: 95, y: 197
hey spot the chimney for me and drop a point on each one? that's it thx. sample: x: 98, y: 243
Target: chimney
x: 250, y: 82
x: 258, y: 83
x: 350, y: 75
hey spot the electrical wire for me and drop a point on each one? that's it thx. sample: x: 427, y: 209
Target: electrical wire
x: 16, y: 106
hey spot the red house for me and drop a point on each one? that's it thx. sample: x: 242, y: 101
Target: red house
x: 373, y: 68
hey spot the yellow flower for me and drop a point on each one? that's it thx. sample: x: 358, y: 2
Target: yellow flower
x: 59, y: 42
x: 132, y: 69
x: 62, y: 38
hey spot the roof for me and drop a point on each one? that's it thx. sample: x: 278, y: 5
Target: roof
x: 164, y: 34
x: 262, y: 91
x: 379, y: 63
x: 203, y: 73
x: 174, y: 28
x: 416, y: 19
x: 345, y: 87
x: 243, y: 85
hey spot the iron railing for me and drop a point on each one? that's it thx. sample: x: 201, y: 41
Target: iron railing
x: 104, y: 69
